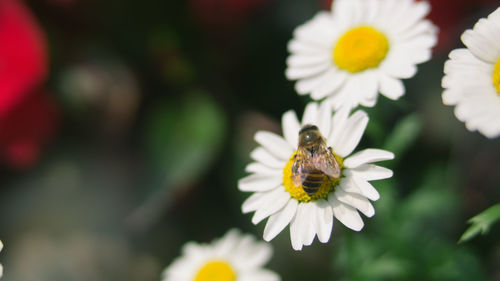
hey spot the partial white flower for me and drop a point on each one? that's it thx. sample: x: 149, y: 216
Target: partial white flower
x: 360, y: 48
x: 1, y: 267
x: 277, y: 198
x: 234, y: 257
x: 472, y: 77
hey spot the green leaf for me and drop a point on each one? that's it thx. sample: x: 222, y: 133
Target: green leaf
x: 183, y: 139
x: 404, y: 134
x: 481, y: 223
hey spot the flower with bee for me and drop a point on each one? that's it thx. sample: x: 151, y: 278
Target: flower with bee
x: 310, y: 175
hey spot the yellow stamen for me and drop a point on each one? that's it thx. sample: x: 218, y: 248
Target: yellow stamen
x: 216, y: 270
x: 496, y: 76
x: 298, y: 192
x: 360, y: 48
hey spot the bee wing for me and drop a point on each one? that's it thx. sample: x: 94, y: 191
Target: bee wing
x: 301, y: 164
x: 325, y: 161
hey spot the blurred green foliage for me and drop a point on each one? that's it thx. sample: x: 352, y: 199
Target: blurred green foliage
x: 403, y: 135
x: 482, y: 223
x: 183, y: 138
x: 408, y: 238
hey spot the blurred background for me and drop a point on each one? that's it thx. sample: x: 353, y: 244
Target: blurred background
x: 125, y: 125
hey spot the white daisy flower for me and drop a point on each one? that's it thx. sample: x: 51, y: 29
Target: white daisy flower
x: 472, y: 77
x: 360, y: 48
x: 277, y: 197
x: 234, y: 257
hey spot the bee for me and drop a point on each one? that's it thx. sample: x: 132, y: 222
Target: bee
x: 313, y: 160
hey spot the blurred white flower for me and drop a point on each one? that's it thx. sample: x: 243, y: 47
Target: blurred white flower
x: 360, y: 48
x: 275, y: 196
x: 1, y: 267
x: 472, y: 77
x: 234, y: 257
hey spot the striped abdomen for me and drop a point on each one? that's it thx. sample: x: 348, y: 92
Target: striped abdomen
x: 313, y: 181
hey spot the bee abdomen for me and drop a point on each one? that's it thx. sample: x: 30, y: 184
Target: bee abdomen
x: 313, y: 182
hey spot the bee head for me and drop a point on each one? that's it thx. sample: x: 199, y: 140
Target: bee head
x: 309, y: 134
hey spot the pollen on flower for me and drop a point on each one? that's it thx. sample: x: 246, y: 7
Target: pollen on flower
x: 360, y: 48
x: 298, y: 192
x: 496, y: 76
x: 216, y: 270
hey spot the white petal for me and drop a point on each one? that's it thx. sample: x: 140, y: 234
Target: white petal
x: 309, y: 230
x: 227, y: 243
x: 347, y: 215
x: 310, y: 114
x: 299, y: 227
x: 306, y: 85
x: 415, y: 13
x: 371, y: 10
x: 353, y: 131
x: 350, y: 93
x: 390, y: 87
x: 323, y: 220
x: 355, y: 200
x: 191, y: 249
x: 366, y: 188
x: 250, y: 254
x: 490, y: 131
x: 390, y: 11
x: 301, y: 47
x: 275, y: 200
x: 342, y: 97
x: 368, y: 89
x: 263, y: 156
x: 423, y: 27
x: 337, y: 127
x: 346, y: 11
x: 371, y: 172
x: 463, y: 61
x: 324, y: 119
x: 352, y: 184
x: 317, y: 31
x: 293, y: 72
x: 330, y: 84
x: 254, y: 202
x: 398, y: 66
x: 260, y: 168
x: 386, y: 10
x: 291, y: 128
x: 347, y: 184
x: 259, y: 182
x: 369, y: 155
x: 308, y: 60
x: 480, y: 46
x: 275, y: 144
x: 278, y: 221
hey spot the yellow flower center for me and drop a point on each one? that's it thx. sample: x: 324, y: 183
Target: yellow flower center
x: 360, y: 48
x: 298, y: 192
x: 216, y: 271
x: 496, y: 76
